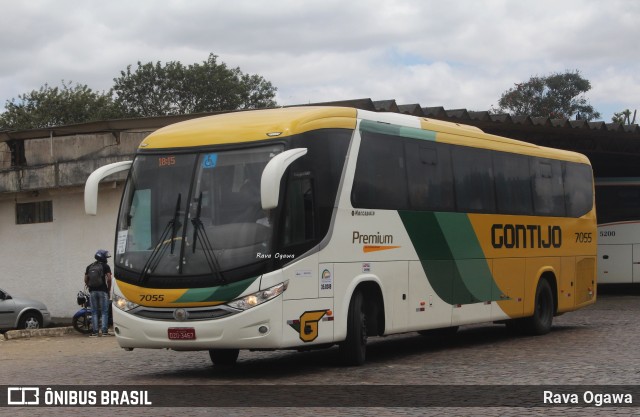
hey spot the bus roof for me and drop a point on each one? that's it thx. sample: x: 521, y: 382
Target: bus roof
x: 255, y: 125
x: 252, y: 125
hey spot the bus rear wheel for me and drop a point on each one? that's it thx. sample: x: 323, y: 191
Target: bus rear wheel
x: 353, y: 349
x: 224, y: 357
x: 541, y: 321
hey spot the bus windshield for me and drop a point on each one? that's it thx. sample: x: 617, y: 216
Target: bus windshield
x: 194, y: 215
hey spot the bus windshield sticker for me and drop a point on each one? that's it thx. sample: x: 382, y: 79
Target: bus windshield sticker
x: 121, y: 245
x: 210, y: 160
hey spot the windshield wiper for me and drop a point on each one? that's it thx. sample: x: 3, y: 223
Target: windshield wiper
x: 209, y: 252
x: 160, y: 248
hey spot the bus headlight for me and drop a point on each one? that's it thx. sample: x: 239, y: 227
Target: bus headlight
x: 122, y: 303
x: 257, y: 298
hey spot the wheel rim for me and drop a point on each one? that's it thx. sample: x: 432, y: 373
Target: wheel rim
x: 31, y: 323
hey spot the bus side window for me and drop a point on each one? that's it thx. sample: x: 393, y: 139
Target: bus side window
x: 548, y: 188
x: 380, y: 180
x: 513, y: 183
x: 578, y: 185
x: 474, y: 183
x: 430, y: 177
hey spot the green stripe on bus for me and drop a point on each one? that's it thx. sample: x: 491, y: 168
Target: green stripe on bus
x: 395, y: 130
x: 222, y: 293
x: 451, y: 256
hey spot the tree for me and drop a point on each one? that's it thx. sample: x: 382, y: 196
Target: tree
x: 157, y: 90
x: 55, y: 106
x: 556, y: 95
x: 624, y: 117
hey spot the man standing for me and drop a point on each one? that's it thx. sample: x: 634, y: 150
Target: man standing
x: 97, y: 277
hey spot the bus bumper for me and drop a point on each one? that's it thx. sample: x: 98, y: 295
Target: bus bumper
x: 257, y: 328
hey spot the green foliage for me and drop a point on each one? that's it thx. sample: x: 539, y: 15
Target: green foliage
x: 624, y: 117
x: 150, y: 90
x: 556, y: 95
x: 55, y: 106
x: 156, y: 89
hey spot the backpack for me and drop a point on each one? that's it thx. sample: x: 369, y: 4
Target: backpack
x: 96, y: 275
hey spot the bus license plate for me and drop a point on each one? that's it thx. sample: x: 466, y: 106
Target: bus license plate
x: 182, y: 333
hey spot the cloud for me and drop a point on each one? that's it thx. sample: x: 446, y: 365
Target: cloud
x: 454, y: 54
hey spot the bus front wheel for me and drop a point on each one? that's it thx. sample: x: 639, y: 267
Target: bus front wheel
x: 224, y: 357
x: 353, y: 349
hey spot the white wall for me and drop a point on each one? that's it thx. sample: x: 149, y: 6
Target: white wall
x: 46, y: 261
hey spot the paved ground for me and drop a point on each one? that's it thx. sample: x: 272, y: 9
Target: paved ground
x: 594, y: 346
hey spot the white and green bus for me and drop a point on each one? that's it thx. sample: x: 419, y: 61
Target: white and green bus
x: 308, y: 227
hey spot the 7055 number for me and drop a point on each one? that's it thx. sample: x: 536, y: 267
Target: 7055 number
x: 583, y: 237
x: 152, y: 297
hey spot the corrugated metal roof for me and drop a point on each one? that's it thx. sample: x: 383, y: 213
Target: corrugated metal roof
x: 614, y: 149
x: 464, y: 116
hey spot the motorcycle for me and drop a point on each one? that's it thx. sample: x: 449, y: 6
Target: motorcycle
x: 82, y: 319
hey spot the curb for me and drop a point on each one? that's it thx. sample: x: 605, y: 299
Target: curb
x: 28, y: 334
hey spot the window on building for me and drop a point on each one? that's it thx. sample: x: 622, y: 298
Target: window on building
x: 37, y: 212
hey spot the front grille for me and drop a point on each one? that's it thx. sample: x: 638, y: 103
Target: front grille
x: 194, y: 314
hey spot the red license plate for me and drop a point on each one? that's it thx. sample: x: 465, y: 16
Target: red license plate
x: 182, y: 333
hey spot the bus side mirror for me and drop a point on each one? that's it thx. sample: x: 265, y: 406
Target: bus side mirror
x: 91, y: 186
x: 272, y: 174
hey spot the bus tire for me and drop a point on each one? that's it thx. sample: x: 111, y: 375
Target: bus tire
x: 353, y: 349
x: 543, y: 310
x: 224, y: 357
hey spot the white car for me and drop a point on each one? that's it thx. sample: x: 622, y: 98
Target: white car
x: 22, y: 313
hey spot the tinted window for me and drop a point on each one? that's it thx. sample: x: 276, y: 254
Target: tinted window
x: 617, y: 203
x: 578, y: 187
x: 299, y: 219
x: 430, y: 176
x: 548, y: 189
x: 513, y: 183
x: 326, y: 153
x: 473, y: 172
x: 380, y: 180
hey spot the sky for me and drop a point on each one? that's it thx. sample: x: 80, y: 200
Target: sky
x: 454, y: 54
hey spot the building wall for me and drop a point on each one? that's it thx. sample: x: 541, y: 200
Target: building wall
x: 46, y: 261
